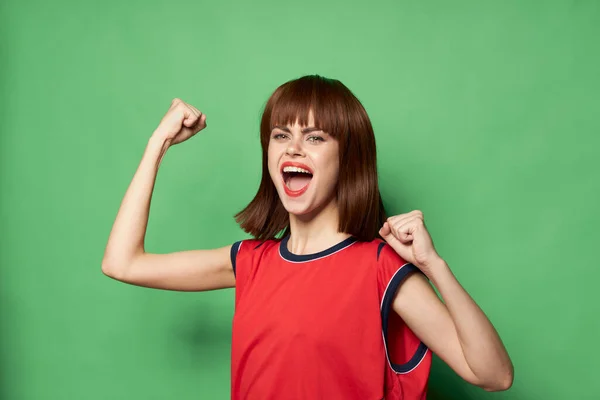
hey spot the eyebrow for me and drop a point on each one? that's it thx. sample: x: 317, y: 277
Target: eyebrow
x: 304, y: 130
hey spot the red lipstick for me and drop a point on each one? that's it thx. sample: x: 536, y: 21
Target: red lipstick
x: 288, y: 191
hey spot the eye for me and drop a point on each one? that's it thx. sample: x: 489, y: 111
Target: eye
x: 279, y: 136
x: 314, y: 139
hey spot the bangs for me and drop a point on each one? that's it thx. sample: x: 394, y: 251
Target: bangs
x: 338, y: 112
x: 325, y: 98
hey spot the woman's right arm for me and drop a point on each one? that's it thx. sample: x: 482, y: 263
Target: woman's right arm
x: 125, y: 258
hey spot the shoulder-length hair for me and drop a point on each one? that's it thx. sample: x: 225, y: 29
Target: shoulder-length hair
x: 338, y: 112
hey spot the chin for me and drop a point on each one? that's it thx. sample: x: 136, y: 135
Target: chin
x: 297, y: 208
x: 305, y: 207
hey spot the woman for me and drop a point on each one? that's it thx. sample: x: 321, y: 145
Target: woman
x: 333, y: 299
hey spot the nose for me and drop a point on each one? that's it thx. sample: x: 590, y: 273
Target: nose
x: 294, y: 147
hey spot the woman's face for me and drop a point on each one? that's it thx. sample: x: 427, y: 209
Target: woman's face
x: 304, y: 166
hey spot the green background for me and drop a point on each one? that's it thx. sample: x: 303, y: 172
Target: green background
x: 486, y: 118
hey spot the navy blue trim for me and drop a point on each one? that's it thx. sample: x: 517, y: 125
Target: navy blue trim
x: 379, y: 248
x: 233, y: 254
x: 289, y: 256
x: 386, y: 308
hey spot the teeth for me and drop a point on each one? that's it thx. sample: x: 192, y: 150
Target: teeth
x: 296, y: 169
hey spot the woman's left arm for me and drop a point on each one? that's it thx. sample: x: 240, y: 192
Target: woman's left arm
x: 456, y: 330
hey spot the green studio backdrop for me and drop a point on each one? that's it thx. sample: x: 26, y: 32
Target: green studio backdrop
x: 486, y: 118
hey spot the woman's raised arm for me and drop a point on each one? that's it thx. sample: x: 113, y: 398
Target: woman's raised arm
x: 125, y: 258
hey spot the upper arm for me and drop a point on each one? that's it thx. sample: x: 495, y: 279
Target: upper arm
x: 191, y: 270
x: 428, y: 318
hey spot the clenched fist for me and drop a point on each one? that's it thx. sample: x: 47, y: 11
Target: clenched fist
x: 181, y: 122
x: 407, y: 234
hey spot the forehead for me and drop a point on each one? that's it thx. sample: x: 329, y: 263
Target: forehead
x: 308, y: 121
x: 321, y: 106
x: 289, y: 115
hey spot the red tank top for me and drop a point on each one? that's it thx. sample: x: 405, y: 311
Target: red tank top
x: 321, y: 326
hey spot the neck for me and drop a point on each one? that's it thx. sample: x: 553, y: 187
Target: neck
x: 315, y: 231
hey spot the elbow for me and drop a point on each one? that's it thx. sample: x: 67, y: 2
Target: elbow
x: 504, y: 382
x: 107, y: 269
x: 111, y: 270
x: 500, y: 386
x: 117, y: 267
x: 508, y: 380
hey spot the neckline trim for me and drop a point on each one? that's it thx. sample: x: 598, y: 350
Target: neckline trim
x: 299, y: 258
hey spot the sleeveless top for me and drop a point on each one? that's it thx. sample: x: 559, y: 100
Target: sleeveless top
x: 321, y: 326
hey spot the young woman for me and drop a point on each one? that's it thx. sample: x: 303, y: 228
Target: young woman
x: 332, y: 299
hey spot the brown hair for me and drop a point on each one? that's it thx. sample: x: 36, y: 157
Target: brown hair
x: 338, y: 112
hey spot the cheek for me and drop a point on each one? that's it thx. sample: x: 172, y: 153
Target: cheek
x: 272, y: 164
x: 334, y: 163
x: 332, y: 170
x: 335, y: 174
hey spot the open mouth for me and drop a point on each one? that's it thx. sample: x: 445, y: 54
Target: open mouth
x: 296, y: 178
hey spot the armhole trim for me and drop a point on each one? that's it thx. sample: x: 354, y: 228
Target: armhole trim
x: 235, y: 248
x: 379, y: 248
x: 386, y: 308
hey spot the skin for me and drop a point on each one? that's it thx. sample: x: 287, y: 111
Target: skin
x: 456, y: 329
x: 314, y: 215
